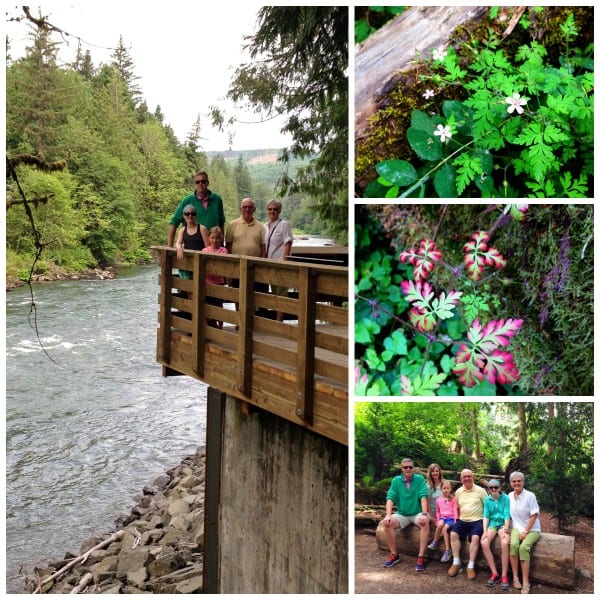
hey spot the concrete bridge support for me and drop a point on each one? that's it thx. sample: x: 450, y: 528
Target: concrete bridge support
x: 276, y: 504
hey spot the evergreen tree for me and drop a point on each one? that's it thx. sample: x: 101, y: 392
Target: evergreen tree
x: 243, y: 181
x: 121, y: 59
x: 303, y: 53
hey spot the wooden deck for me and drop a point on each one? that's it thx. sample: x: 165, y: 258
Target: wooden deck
x: 296, y: 369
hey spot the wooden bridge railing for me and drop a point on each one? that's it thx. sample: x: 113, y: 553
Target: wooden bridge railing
x: 297, y: 369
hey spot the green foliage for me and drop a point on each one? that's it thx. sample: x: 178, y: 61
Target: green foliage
x: 445, y: 349
x: 548, y: 283
x: 125, y: 169
x: 525, y: 128
x: 299, y: 68
x: 369, y: 19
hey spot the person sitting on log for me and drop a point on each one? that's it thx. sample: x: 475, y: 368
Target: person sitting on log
x: 446, y: 515
x: 470, y: 499
x: 526, y: 529
x: 409, y: 494
x: 496, y: 520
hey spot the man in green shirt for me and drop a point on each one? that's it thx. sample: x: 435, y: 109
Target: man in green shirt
x: 408, y: 493
x: 209, y: 208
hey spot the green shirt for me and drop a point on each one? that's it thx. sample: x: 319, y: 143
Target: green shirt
x: 408, y: 501
x: 497, y: 511
x: 211, y: 216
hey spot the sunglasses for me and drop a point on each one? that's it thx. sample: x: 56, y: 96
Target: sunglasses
x: 189, y: 214
x: 408, y: 467
x: 493, y: 487
x: 205, y: 181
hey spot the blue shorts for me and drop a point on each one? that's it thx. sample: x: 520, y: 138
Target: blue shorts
x: 467, y: 529
x: 447, y: 521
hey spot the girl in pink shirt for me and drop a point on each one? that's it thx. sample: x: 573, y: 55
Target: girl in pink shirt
x: 215, y: 237
x: 446, y: 513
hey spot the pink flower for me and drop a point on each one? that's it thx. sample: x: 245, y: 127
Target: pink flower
x: 428, y: 94
x: 515, y: 103
x: 443, y: 132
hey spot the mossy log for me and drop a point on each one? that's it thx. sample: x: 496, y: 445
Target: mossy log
x: 392, y: 48
x: 552, y: 557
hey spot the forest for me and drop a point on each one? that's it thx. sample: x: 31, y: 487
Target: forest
x: 94, y: 174
x: 550, y: 442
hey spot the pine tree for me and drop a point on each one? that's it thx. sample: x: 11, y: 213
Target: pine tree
x: 122, y: 60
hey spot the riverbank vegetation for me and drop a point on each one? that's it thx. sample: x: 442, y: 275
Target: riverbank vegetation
x: 94, y: 174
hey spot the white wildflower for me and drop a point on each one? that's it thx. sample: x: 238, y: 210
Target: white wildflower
x: 428, y: 94
x: 443, y: 132
x: 439, y: 54
x: 515, y: 102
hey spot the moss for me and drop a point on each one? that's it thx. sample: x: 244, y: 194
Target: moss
x: 386, y: 137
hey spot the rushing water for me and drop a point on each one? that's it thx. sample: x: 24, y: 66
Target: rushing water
x: 88, y: 429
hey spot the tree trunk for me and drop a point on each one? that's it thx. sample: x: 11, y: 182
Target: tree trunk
x: 392, y: 48
x: 552, y: 557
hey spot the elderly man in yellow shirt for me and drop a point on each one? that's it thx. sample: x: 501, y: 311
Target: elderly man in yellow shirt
x: 470, y: 499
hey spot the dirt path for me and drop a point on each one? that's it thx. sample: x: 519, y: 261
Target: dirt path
x: 372, y: 578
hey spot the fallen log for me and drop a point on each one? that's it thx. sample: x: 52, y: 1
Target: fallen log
x: 79, y: 559
x: 392, y: 48
x: 552, y: 557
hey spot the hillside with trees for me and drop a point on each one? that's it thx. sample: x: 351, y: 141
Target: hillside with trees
x: 93, y: 174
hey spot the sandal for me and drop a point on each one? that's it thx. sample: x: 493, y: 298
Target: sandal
x: 525, y: 589
x: 517, y: 584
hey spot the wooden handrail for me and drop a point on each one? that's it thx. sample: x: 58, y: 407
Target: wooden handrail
x: 297, y: 368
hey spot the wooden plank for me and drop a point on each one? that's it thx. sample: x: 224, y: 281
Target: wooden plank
x: 332, y: 314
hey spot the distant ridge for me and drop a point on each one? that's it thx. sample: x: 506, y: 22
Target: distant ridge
x: 267, y: 155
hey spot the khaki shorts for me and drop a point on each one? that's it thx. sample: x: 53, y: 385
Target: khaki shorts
x: 406, y: 520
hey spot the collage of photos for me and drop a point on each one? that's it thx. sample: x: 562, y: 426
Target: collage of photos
x: 300, y: 299
x: 474, y: 278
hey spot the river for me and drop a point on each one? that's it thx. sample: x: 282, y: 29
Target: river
x: 92, y: 421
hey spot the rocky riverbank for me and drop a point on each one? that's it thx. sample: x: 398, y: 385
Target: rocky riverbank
x: 57, y: 274
x: 158, y: 548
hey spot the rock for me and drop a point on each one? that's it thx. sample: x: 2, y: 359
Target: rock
x: 160, y: 549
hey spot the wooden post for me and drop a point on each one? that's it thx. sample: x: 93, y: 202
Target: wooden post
x: 305, y: 366
x: 246, y: 297
x: 166, y: 285
x: 198, y: 314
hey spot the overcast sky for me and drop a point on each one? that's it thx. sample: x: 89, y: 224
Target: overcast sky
x: 184, y: 52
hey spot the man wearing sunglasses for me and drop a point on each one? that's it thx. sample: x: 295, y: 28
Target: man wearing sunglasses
x: 208, y: 205
x: 409, y: 494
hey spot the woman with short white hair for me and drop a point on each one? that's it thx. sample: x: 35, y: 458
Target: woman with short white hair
x: 525, y: 531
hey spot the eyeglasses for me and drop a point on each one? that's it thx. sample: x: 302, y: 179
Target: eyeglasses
x: 406, y: 467
x: 493, y: 487
x: 517, y: 481
x: 204, y: 181
x: 189, y: 214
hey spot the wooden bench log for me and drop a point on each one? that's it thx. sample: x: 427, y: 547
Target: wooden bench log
x: 552, y: 557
